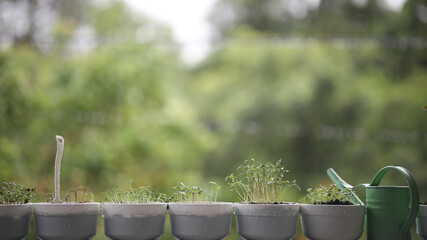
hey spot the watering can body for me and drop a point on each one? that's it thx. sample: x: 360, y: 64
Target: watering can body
x: 390, y: 210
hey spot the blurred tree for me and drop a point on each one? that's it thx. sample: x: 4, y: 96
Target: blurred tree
x: 330, y: 100
x: 118, y: 106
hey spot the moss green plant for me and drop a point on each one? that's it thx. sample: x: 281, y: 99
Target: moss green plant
x: 215, y: 186
x: 184, y: 193
x: 14, y: 193
x: 260, y: 183
x: 327, y: 195
x: 141, y: 194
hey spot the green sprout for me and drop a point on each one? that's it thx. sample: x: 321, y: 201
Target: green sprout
x: 14, y: 193
x: 217, y: 188
x: 141, y: 194
x: 262, y: 183
x: 184, y: 193
x: 328, y: 195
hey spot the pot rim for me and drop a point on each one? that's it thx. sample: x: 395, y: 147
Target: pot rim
x: 201, y: 209
x: 59, y: 209
x: 65, y: 204
x: 422, y: 212
x: 332, y: 210
x: 134, y: 204
x: 201, y: 203
x: 15, y: 210
x: 267, y: 210
x: 332, y: 205
x: 133, y: 210
x: 268, y: 204
x: 15, y: 204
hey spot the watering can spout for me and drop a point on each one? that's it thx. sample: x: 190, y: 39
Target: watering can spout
x: 341, y: 184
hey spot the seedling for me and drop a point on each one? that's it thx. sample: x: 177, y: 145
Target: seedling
x: 74, y: 193
x: 141, y: 194
x: 217, y: 188
x: 260, y: 183
x: 328, y: 195
x: 74, y: 196
x: 186, y: 193
x: 14, y: 193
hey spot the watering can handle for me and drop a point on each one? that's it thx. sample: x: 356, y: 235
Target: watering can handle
x: 413, y: 189
x: 341, y: 184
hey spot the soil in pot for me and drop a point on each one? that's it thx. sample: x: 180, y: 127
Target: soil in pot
x: 267, y: 221
x: 66, y: 221
x: 132, y: 221
x: 14, y: 221
x: 201, y: 221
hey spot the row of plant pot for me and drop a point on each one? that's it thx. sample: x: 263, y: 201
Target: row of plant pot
x: 190, y: 221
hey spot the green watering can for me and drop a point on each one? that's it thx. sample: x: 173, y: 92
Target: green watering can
x: 390, y: 210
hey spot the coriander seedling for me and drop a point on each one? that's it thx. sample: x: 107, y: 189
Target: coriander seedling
x: 260, y: 183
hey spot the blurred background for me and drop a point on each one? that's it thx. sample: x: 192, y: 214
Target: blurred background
x: 166, y: 91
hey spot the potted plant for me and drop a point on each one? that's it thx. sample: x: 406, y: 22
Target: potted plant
x: 137, y: 213
x: 422, y: 221
x: 66, y: 219
x: 328, y: 214
x: 194, y: 219
x: 263, y: 213
x: 15, y: 212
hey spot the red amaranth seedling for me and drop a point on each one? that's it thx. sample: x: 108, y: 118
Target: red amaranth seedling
x: 75, y: 193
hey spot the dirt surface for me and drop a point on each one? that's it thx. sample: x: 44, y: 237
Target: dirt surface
x: 335, y: 202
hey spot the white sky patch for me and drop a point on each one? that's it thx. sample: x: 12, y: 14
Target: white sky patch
x: 394, y: 5
x: 188, y: 19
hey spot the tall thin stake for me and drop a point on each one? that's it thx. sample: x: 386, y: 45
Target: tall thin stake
x: 58, y: 158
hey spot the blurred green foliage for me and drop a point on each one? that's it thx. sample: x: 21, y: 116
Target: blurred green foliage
x: 336, y: 85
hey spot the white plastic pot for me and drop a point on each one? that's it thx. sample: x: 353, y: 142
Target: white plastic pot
x: 15, y: 221
x: 66, y: 221
x: 267, y: 221
x: 201, y: 221
x: 332, y: 222
x: 422, y: 222
x: 128, y: 221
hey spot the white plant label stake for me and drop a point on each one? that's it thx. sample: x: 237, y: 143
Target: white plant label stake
x: 58, y: 158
